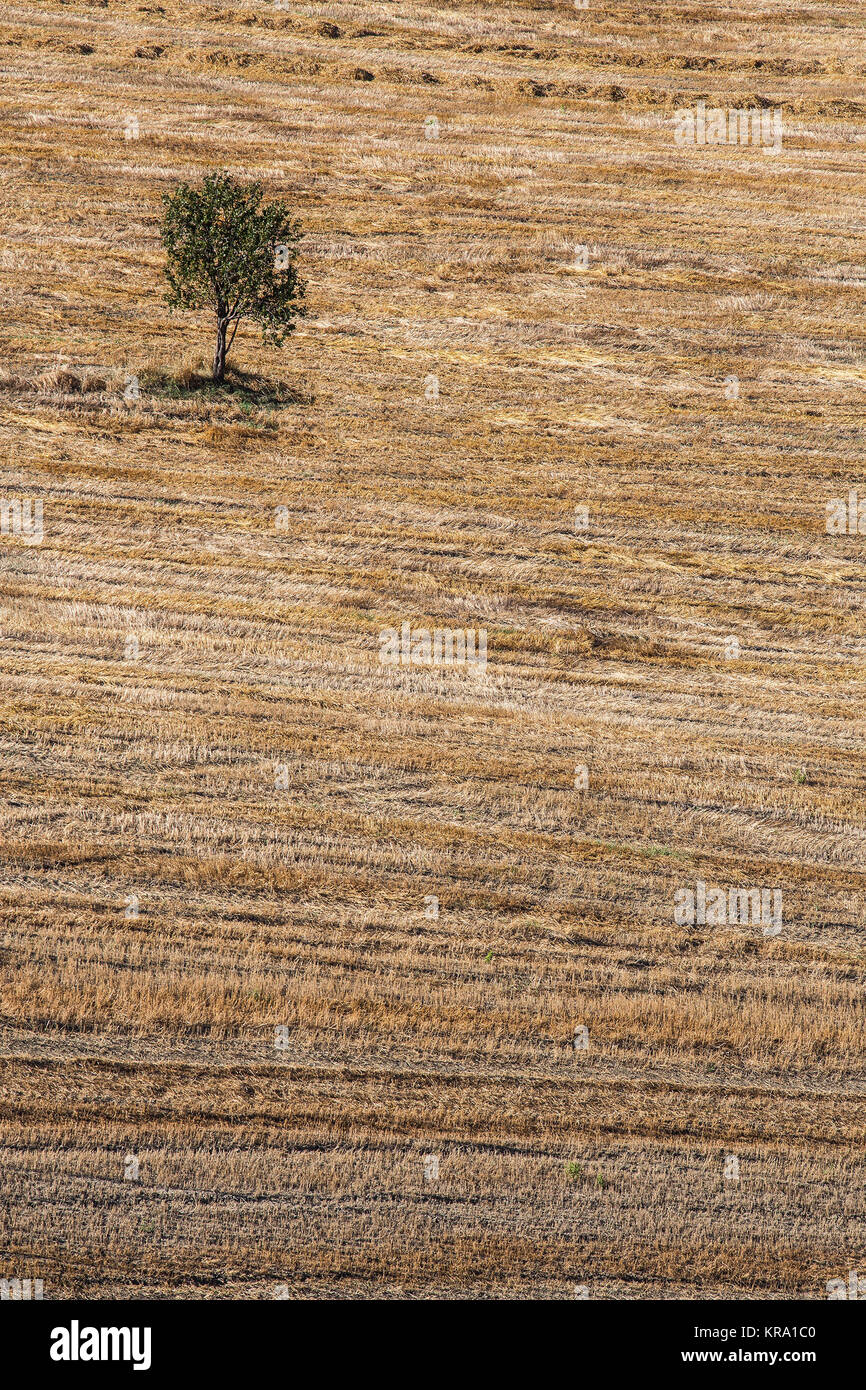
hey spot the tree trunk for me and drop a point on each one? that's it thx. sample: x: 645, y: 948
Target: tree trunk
x: 219, y: 357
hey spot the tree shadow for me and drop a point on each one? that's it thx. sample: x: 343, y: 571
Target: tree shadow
x: 238, y: 388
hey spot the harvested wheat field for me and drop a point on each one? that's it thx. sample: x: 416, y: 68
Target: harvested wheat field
x: 329, y: 976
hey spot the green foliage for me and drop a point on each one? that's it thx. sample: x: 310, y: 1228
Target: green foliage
x: 229, y: 253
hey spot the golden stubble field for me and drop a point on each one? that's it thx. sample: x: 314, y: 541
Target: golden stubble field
x: 242, y: 1055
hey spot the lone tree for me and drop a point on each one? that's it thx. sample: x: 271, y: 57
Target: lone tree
x: 228, y: 253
